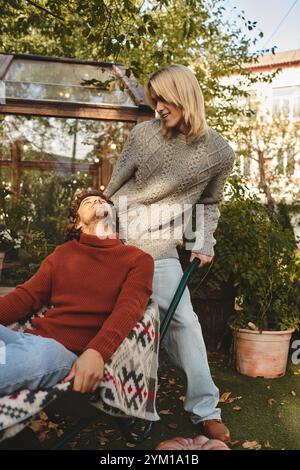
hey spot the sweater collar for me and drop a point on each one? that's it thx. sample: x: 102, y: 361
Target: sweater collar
x: 94, y: 240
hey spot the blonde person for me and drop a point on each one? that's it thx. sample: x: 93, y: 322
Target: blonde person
x: 176, y: 159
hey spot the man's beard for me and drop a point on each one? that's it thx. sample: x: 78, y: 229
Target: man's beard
x: 106, y: 223
x: 101, y: 212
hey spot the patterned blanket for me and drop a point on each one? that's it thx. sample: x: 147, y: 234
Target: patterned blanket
x: 128, y: 388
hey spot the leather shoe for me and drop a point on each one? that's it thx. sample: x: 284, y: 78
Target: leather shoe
x: 215, y: 429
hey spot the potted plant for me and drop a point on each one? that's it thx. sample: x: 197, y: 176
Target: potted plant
x: 260, y: 255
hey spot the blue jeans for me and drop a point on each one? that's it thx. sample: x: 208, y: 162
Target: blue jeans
x: 184, y: 342
x: 30, y: 361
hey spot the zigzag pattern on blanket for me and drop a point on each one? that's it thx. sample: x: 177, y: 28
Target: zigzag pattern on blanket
x: 128, y: 388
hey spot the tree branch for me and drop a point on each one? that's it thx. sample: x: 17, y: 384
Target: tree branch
x: 253, y: 158
x: 36, y: 5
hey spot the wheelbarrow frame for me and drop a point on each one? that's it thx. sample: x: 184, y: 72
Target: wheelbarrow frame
x: 128, y: 431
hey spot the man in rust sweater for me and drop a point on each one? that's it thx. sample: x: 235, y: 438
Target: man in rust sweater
x: 98, y: 288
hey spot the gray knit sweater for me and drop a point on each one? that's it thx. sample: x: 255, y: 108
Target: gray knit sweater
x: 153, y: 169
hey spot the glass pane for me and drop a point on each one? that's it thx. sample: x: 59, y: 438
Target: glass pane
x: 51, y: 159
x: 61, y: 140
x: 296, y: 106
x: 5, y: 144
x: 276, y: 106
x: 57, y: 81
x: 286, y: 91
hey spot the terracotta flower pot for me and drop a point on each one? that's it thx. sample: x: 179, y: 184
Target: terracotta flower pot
x: 261, y: 354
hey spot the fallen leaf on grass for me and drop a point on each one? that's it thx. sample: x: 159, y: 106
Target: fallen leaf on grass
x: 102, y: 442
x: 271, y: 401
x: 37, y: 425
x: 43, y: 416
x: 52, y: 425
x: 237, y: 408
x: 172, y: 425
x: 267, y: 445
x: 231, y: 400
x: 72, y: 445
x: 42, y: 436
x: 293, y: 393
x: 101, y: 439
x: 253, y: 445
x: 129, y: 444
x: 226, y: 398
x: 234, y: 443
x: 172, y: 382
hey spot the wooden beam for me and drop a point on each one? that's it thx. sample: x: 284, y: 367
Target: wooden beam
x: 72, y: 110
x: 66, y: 60
x: 5, y: 61
x: 15, y: 169
x: 107, y: 169
x: 50, y: 165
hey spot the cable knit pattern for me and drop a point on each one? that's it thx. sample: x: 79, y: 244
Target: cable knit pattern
x: 155, y: 170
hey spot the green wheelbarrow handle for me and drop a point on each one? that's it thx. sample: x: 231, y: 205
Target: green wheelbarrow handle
x: 177, y: 296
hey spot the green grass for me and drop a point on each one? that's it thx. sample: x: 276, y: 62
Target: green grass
x: 276, y: 422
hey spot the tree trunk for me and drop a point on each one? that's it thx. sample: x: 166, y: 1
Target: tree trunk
x: 262, y: 179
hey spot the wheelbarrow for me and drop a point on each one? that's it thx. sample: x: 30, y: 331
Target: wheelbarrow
x: 74, y: 403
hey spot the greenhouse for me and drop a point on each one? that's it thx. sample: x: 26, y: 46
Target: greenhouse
x: 65, y: 115
x: 63, y: 123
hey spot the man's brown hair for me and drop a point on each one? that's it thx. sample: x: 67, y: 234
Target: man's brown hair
x: 73, y: 219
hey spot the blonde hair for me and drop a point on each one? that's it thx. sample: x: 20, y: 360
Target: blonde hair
x: 178, y: 85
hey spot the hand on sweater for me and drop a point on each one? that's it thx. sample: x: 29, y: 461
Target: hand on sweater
x: 203, y: 258
x: 87, y: 371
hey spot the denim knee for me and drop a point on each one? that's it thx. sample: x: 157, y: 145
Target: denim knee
x: 34, y: 362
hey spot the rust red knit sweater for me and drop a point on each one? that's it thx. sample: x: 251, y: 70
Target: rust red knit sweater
x: 99, y: 289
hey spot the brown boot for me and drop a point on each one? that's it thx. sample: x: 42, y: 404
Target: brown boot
x: 215, y: 429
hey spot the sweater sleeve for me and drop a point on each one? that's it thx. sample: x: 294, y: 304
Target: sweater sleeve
x: 28, y: 297
x: 211, y: 197
x: 125, y: 166
x: 129, y: 308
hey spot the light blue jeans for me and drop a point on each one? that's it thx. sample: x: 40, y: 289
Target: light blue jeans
x: 184, y: 342
x: 30, y: 361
